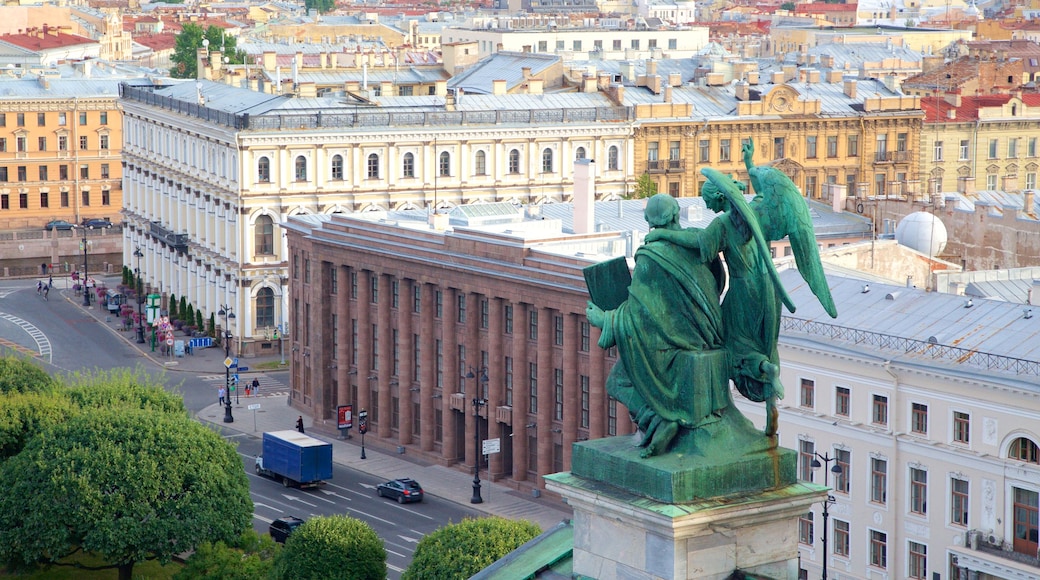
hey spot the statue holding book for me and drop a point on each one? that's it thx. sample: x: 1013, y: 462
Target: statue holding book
x: 680, y: 342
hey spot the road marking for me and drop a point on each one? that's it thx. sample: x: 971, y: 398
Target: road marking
x: 407, y: 539
x: 395, y: 568
x: 261, y: 518
x: 43, y: 344
x: 292, y: 498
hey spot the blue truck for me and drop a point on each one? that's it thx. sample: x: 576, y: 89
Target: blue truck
x: 295, y: 459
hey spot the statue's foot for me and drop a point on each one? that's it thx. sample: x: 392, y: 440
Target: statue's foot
x: 648, y: 432
x: 662, y: 438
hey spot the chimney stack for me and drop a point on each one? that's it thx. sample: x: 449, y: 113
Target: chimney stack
x: 584, y: 196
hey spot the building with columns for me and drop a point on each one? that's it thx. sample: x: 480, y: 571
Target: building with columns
x: 212, y: 172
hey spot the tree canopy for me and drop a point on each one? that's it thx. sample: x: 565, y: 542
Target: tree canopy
x: 332, y: 547
x: 249, y: 557
x: 463, y: 549
x: 23, y: 376
x: 123, y: 484
x: 321, y: 6
x: 24, y: 415
x: 122, y: 388
x: 645, y: 187
x: 185, y: 65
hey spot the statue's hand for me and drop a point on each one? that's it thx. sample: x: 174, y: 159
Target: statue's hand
x: 595, y: 315
x: 658, y: 234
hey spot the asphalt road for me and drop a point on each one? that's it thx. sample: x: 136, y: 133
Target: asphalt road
x: 67, y: 340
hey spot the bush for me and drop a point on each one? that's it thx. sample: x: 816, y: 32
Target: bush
x: 463, y: 549
x: 338, y: 547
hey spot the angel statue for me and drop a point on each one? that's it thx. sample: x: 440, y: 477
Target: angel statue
x: 678, y: 347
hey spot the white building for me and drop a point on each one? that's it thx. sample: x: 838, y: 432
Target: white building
x: 931, y: 405
x: 211, y: 171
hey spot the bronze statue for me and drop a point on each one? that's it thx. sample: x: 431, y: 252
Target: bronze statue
x: 678, y: 346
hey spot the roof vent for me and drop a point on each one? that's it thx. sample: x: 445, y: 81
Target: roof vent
x: 866, y: 288
x: 933, y: 340
x: 969, y: 303
x: 892, y: 295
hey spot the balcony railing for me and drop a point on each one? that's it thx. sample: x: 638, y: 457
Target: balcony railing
x: 666, y: 166
x: 179, y: 242
x: 989, y: 544
x: 892, y: 157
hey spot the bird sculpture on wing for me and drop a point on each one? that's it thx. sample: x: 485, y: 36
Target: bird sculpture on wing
x: 782, y: 211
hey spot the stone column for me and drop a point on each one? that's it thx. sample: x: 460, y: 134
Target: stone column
x: 545, y: 391
x: 428, y: 368
x: 404, y: 349
x: 364, y: 347
x: 385, y: 328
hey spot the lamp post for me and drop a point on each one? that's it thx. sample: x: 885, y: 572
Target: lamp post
x: 362, y: 418
x: 86, y: 291
x: 140, y: 296
x: 226, y: 312
x: 478, y: 402
x: 836, y: 470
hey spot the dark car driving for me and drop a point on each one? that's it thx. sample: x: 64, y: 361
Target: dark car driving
x: 97, y: 223
x: 58, y: 225
x: 282, y: 527
x: 404, y: 490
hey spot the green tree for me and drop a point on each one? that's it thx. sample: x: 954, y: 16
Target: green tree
x: 122, y: 388
x: 199, y: 321
x: 212, y: 330
x: 173, y: 306
x: 321, y: 6
x: 645, y: 187
x: 249, y: 557
x: 789, y: 6
x: 463, y: 549
x: 339, y: 547
x: 124, y: 486
x: 182, y: 308
x: 23, y: 415
x: 189, y: 41
x: 19, y: 375
x: 189, y: 315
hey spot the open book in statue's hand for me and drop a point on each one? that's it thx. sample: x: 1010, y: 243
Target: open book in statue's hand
x: 608, y: 282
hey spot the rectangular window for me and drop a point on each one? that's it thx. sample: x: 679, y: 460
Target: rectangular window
x: 635, y: 43
x: 918, y: 491
x: 532, y: 324
x: 507, y: 313
x: 558, y: 330
x: 63, y: 143
x: 373, y: 281
x: 438, y: 304
x: 878, y: 549
x: 558, y: 394
x: 106, y: 197
x: 778, y: 148
x: 991, y: 181
x: 62, y: 119
x: 673, y: 150
x: 21, y: 119
x: 993, y: 144
x: 84, y: 172
x: 810, y: 147
x: 543, y: 46
x: 586, y: 332
x: 878, y: 480
x: 416, y: 357
x: 103, y: 142
x: 1031, y: 151
x: 576, y: 45
x: 83, y: 143
x: 805, y: 529
x: 843, y: 459
x: 937, y: 151
x: 1012, y: 148
x: 395, y: 293
x: 104, y: 171
x: 918, y: 561
x: 83, y: 118
x: 85, y: 195
x: 22, y: 173
x: 1030, y: 180
x: 919, y: 418
x: 961, y: 427
x: 959, y: 502
x: 611, y: 416
x: 64, y: 199
x: 507, y: 370
x: 808, y: 392
x: 41, y: 144
x: 651, y: 43
x: 725, y: 150
x: 484, y: 313
x: 585, y: 397
x: 44, y: 201
x: 901, y: 141
x: 673, y: 44
x: 651, y: 151
x: 852, y: 146
x: 841, y: 538
x: 616, y: 44
x: 3, y: 144
x: 374, y: 362
x: 460, y: 298
x: 704, y: 151
x: 23, y: 201
x: 964, y: 149
x: 21, y: 145
x: 532, y: 388
x: 104, y: 117
x: 416, y: 297
x: 880, y: 410
x: 560, y: 44
x: 5, y: 201
x: 806, y: 454
x: 832, y: 146
x: 841, y: 401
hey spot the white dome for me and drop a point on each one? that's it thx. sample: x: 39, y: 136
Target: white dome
x: 923, y: 232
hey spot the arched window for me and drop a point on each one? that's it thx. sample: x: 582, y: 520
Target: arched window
x: 301, y: 168
x: 264, y: 308
x: 514, y: 161
x: 579, y: 153
x: 480, y: 163
x: 263, y: 170
x: 547, y: 160
x: 337, y: 167
x: 373, y: 166
x: 1023, y: 449
x: 612, y: 158
x: 263, y: 231
x: 408, y: 165
x: 444, y: 164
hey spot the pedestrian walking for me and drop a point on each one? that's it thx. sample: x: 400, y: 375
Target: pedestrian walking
x: 46, y: 291
x: 220, y: 395
x: 39, y: 286
x: 50, y: 280
x: 299, y: 423
x: 256, y: 385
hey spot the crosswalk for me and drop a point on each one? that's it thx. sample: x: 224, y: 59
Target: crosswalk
x: 269, y: 387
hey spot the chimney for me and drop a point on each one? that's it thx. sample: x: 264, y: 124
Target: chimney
x: 838, y: 195
x: 534, y: 86
x: 498, y: 87
x: 951, y: 114
x: 654, y: 84
x: 651, y: 67
x: 440, y: 88
x: 778, y: 77
x: 526, y: 72
x: 850, y: 88
x: 1028, y: 201
x: 1034, y: 293
x: 835, y: 76
x: 674, y: 79
x: 668, y: 94
x: 270, y: 60
x: 584, y: 196
x: 814, y: 76
x: 628, y: 69
x: 449, y: 101
x: 742, y: 91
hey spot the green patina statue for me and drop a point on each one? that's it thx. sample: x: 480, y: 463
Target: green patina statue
x: 680, y: 341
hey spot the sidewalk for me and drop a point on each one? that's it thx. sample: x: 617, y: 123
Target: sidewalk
x: 275, y: 414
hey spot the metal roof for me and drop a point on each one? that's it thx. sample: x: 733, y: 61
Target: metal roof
x: 504, y: 65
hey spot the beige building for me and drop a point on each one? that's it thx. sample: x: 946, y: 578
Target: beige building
x: 60, y: 145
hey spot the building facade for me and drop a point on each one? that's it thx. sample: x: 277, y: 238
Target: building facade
x: 60, y: 145
x: 213, y: 171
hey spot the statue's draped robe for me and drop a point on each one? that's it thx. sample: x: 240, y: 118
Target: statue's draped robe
x: 671, y: 316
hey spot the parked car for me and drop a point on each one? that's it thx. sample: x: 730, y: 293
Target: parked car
x: 58, y: 225
x: 97, y: 223
x: 282, y: 527
x: 404, y: 490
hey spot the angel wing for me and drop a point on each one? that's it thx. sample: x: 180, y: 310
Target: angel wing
x: 782, y: 211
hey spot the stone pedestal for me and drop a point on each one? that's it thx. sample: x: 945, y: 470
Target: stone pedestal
x: 621, y: 535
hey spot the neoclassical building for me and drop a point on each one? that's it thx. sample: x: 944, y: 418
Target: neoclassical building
x: 213, y: 171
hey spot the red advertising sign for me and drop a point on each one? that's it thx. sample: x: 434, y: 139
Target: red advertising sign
x: 345, y: 416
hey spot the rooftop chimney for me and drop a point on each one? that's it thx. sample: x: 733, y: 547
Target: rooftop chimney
x: 850, y: 88
x: 584, y: 196
x: 498, y: 87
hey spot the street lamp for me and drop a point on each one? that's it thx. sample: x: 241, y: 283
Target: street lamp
x: 478, y: 402
x: 86, y: 293
x: 836, y: 470
x: 140, y: 296
x: 226, y: 312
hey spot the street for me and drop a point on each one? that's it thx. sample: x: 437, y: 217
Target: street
x: 66, y: 340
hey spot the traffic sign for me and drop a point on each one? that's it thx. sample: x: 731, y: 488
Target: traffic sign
x: 253, y: 407
x: 492, y: 446
x: 229, y: 362
x: 243, y: 369
x: 235, y: 364
x: 169, y: 342
x: 234, y: 378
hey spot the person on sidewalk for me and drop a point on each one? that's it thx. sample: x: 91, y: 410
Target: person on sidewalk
x: 220, y: 394
x: 255, y: 387
x: 299, y: 423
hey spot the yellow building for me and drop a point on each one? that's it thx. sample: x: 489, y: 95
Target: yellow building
x: 987, y: 142
x: 856, y: 134
x: 60, y: 151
